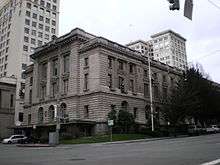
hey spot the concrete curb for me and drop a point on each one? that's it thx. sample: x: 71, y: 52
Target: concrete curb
x: 142, y: 140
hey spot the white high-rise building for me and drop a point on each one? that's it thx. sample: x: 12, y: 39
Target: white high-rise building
x: 170, y: 48
x: 144, y: 47
x: 24, y: 25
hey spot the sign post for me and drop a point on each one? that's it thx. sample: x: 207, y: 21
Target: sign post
x: 110, y: 124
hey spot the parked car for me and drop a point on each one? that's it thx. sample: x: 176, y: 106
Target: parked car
x: 14, y: 139
x: 29, y: 140
x: 196, y: 130
x: 213, y: 129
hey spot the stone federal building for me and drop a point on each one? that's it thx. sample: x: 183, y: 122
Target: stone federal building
x: 86, y: 76
x: 7, y: 106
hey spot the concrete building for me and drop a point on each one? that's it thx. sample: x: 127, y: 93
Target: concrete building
x: 7, y: 106
x: 24, y: 25
x: 170, y: 48
x: 86, y: 76
x: 144, y: 47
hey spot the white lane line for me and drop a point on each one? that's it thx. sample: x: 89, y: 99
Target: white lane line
x: 214, y: 162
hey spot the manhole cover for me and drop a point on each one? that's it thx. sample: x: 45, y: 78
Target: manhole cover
x: 77, y: 159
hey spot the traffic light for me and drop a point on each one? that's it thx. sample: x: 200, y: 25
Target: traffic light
x: 175, y: 4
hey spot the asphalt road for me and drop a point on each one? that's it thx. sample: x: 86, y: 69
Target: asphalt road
x: 181, y: 151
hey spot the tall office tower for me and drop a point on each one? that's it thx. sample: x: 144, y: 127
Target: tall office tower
x: 144, y: 47
x: 24, y: 25
x: 169, y: 48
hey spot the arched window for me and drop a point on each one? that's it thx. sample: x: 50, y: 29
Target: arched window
x: 40, y: 115
x: 124, y: 105
x: 63, y: 110
x: 51, y: 113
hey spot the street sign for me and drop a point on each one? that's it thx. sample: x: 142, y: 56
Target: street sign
x: 110, y: 122
x: 188, y: 9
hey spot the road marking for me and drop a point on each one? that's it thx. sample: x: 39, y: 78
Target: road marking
x: 214, y: 162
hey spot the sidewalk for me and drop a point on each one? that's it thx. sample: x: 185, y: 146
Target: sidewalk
x: 35, y: 145
x: 103, y: 143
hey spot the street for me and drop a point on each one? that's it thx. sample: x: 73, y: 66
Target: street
x: 181, y: 151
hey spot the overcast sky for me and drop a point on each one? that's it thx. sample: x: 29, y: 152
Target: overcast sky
x: 124, y: 21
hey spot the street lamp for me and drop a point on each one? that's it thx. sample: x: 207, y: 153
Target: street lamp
x: 151, y: 98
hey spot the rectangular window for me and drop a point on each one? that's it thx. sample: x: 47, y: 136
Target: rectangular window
x: 121, y: 84
x: 55, y: 67
x: 33, y: 41
x: 110, y: 81
x: 26, y: 30
x: 121, y: 65
x: 28, y: 5
x: 66, y: 60
x: 53, y: 22
x: 11, y: 100
x: 131, y: 85
x: 86, y: 111
x: 40, y: 34
x: 47, y: 21
x: 156, y: 92
x: 54, y: 89
x: 44, y: 71
x: 131, y: 68
x: 164, y: 79
x: 25, y: 48
x: 29, y: 119
x: 26, y: 39
x: 164, y: 93
x: 86, y: 61
x: 46, y: 37
x: 41, y: 18
x: 86, y: 76
x: 43, y: 92
x: 28, y: 13
x: 40, y: 26
x: 20, y: 116
x: 31, y: 81
x: 34, y: 24
x: 40, y: 43
x: 146, y: 90
x: 42, y: 3
x: 30, y: 96
x: 65, y: 86
x: 33, y: 32
x: 145, y: 73
x: 48, y: 5
x: 110, y: 62
x: 34, y: 16
x: 27, y: 22
x: 54, y: 7
x: 47, y: 28
x: 53, y: 30
x: 135, y: 113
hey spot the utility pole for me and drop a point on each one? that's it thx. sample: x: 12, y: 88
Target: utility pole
x: 151, y: 98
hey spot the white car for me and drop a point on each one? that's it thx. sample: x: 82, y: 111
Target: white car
x: 14, y: 139
x: 213, y: 129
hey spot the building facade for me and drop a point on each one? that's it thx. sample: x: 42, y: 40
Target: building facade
x: 24, y: 25
x: 85, y: 77
x: 7, y: 106
x: 169, y: 47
